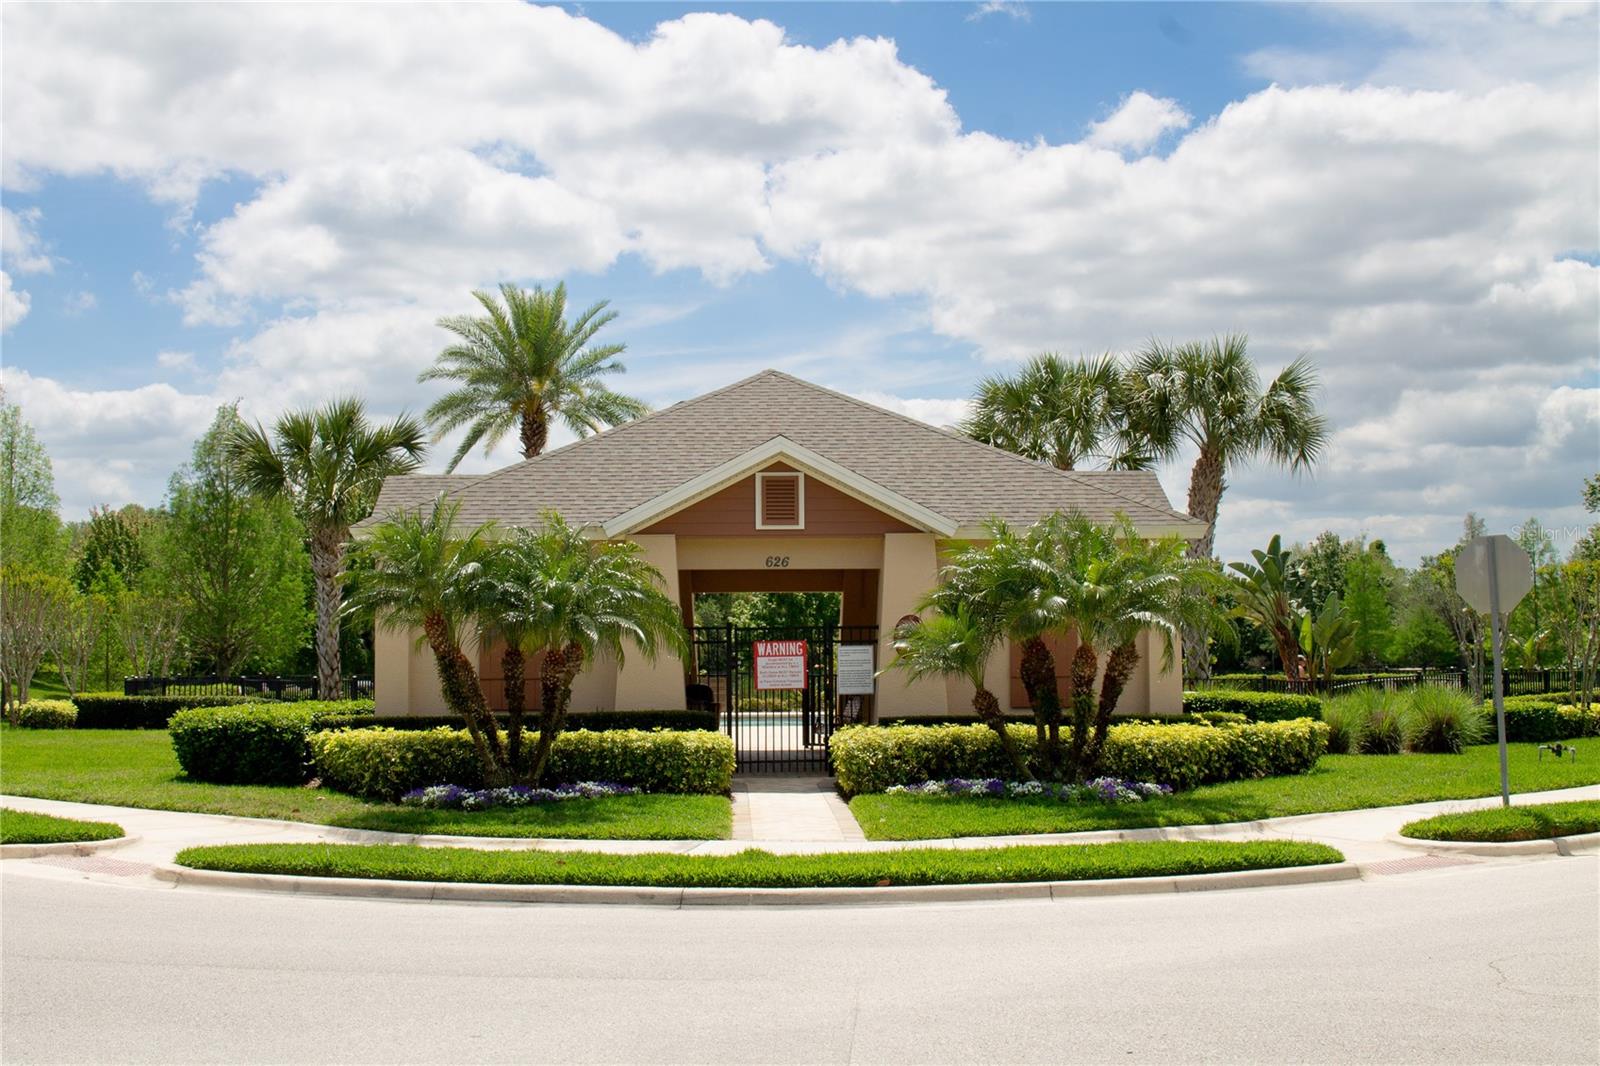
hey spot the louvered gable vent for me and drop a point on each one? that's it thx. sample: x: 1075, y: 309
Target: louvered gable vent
x: 780, y: 501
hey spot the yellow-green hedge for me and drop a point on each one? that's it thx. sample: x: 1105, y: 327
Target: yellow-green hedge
x: 43, y: 714
x: 871, y: 758
x: 387, y: 763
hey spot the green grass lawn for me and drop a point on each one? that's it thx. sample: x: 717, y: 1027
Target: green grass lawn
x: 1339, y: 783
x: 23, y: 827
x: 47, y: 685
x: 136, y: 768
x: 1536, y: 821
x: 759, y: 869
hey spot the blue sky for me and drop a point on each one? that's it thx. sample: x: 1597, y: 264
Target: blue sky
x: 894, y: 219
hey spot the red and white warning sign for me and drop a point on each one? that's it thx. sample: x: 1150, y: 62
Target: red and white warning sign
x: 780, y: 664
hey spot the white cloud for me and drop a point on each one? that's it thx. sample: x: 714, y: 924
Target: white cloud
x: 1016, y: 10
x: 176, y: 361
x: 22, y: 249
x: 14, y: 303
x: 1138, y: 122
x: 79, y: 302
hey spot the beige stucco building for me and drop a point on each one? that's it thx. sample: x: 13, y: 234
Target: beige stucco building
x: 774, y: 484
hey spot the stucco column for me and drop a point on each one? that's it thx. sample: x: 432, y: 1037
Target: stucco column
x: 391, y: 669
x: 641, y: 684
x: 1166, y: 686
x: 910, y: 568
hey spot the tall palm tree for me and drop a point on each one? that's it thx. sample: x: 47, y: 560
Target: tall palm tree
x: 1058, y: 411
x: 957, y: 641
x: 520, y: 365
x: 1209, y: 394
x: 418, y: 572
x: 329, y: 464
x: 572, y: 598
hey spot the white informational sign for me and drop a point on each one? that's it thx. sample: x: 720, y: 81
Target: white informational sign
x: 1493, y: 565
x: 780, y: 665
x: 854, y: 671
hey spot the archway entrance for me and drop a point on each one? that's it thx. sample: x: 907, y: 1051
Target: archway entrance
x: 773, y: 675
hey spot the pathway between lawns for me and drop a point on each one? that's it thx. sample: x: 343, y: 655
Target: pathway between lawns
x: 783, y: 807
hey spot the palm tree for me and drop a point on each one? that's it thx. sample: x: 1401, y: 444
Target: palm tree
x: 1262, y: 595
x: 957, y: 641
x: 523, y: 364
x: 572, y: 598
x: 417, y: 572
x: 1059, y: 412
x: 329, y: 464
x: 1209, y: 394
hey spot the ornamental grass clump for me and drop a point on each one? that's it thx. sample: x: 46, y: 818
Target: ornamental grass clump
x: 456, y: 798
x: 1383, y: 731
x: 1442, y: 720
x: 1099, y: 790
x: 1346, y: 718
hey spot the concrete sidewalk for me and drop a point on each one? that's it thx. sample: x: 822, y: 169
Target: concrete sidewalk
x: 1362, y: 835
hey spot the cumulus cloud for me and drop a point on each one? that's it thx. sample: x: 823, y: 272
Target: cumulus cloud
x: 176, y: 360
x: 1138, y: 122
x: 20, y: 246
x: 1408, y: 229
x: 14, y: 303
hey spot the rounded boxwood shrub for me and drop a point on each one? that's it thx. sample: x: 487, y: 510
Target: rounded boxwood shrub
x: 254, y: 744
x: 382, y: 763
x: 1256, y: 706
x: 43, y: 714
x: 871, y: 758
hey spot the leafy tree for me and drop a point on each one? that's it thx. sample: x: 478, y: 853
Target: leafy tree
x: 1577, y: 588
x: 117, y: 541
x: 81, y: 627
x: 238, y: 563
x: 31, y: 606
x: 1060, y: 412
x: 1318, y: 569
x: 30, y: 529
x: 328, y: 464
x: 957, y: 642
x: 1588, y: 545
x: 521, y: 365
x: 1366, y: 603
x: 768, y: 609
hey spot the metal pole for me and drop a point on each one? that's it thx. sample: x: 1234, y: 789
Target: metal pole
x: 1499, y: 697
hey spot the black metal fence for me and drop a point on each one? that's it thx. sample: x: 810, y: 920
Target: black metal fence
x: 277, y: 688
x: 778, y: 730
x: 1517, y: 682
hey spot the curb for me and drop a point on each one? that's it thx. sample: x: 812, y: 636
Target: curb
x: 441, y: 891
x: 1569, y: 845
x: 68, y: 847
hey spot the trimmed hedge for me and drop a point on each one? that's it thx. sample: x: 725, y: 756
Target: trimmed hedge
x: 43, y: 714
x: 113, y: 710
x: 1220, y: 717
x: 869, y: 759
x: 1256, y: 706
x: 1543, y: 718
x: 259, y: 744
x: 385, y: 764
x: 594, y: 721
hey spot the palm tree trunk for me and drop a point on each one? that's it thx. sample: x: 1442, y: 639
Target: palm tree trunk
x: 1119, y: 667
x: 1207, y: 480
x: 988, y: 708
x: 1039, y: 679
x: 513, y: 668
x: 1084, y: 664
x: 561, y: 665
x: 458, y: 683
x: 535, y: 433
x: 327, y: 563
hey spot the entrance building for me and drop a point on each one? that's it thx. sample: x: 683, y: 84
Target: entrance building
x: 773, y: 484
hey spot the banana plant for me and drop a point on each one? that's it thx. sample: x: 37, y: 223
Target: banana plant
x: 1328, y: 641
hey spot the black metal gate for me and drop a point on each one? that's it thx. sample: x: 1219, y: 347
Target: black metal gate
x: 777, y: 730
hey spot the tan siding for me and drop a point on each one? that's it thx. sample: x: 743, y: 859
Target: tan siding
x: 732, y: 512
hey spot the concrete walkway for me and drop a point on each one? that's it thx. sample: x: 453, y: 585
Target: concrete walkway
x: 790, y: 807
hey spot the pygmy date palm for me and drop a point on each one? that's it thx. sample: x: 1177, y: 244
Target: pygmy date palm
x: 329, y: 463
x: 521, y: 365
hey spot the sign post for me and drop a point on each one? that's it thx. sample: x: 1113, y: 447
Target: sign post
x: 1492, y: 575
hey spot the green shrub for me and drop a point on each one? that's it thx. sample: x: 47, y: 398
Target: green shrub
x: 113, y: 710
x: 254, y: 744
x: 386, y: 763
x: 1441, y: 720
x: 594, y: 721
x: 1226, y: 718
x: 1346, y: 717
x: 1543, y: 718
x: 870, y: 759
x: 1383, y: 730
x: 1580, y: 722
x: 43, y: 714
x: 1256, y: 706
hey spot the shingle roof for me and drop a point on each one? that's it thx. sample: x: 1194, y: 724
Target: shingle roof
x: 598, y: 478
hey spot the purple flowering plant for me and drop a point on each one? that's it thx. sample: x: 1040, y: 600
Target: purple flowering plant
x: 456, y: 798
x: 1108, y: 790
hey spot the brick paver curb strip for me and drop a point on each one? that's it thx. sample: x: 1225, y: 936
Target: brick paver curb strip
x: 1553, y: 846
x: 69, y: 847
x: 788, y: 897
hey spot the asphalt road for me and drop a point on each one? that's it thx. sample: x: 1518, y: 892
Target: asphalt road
x: 1482, y: 963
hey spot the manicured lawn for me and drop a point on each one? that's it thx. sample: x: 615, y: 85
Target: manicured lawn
x: 136, y: 768
x: 1537, y: 821
x: 1339, y: 783
x: 22, y: 827
x: 759, y: 869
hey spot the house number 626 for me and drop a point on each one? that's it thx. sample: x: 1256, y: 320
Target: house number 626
x: 777, y: 562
